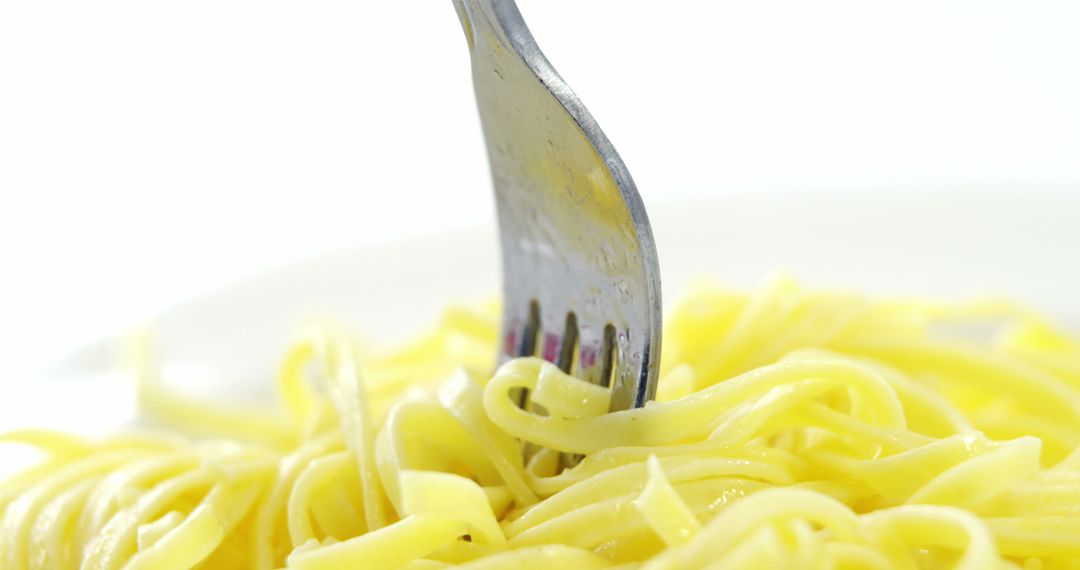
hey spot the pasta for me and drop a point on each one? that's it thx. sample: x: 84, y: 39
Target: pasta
x: 793, y: 428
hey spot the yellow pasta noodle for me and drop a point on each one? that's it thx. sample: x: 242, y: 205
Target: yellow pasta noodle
x: 793, y: 428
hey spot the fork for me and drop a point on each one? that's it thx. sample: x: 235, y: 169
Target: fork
x: 581, y: 281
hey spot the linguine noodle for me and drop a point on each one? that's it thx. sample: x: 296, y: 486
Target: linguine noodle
x: 792, y: 429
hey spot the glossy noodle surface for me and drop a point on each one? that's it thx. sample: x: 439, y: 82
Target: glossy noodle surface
x: 793, y: 428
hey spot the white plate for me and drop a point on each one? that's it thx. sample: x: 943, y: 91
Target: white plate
x: 228, y: 344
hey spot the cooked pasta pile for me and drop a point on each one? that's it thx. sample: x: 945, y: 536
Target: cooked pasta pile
x: 792, y: 429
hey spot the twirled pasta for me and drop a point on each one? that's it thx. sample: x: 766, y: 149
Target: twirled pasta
x: 792, y: 429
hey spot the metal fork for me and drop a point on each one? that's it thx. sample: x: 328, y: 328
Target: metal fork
x: 581, y: 282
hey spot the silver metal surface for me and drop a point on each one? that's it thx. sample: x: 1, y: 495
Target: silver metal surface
x: 581, y: 283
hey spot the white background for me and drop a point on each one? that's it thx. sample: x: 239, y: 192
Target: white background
x: 153, y: 150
